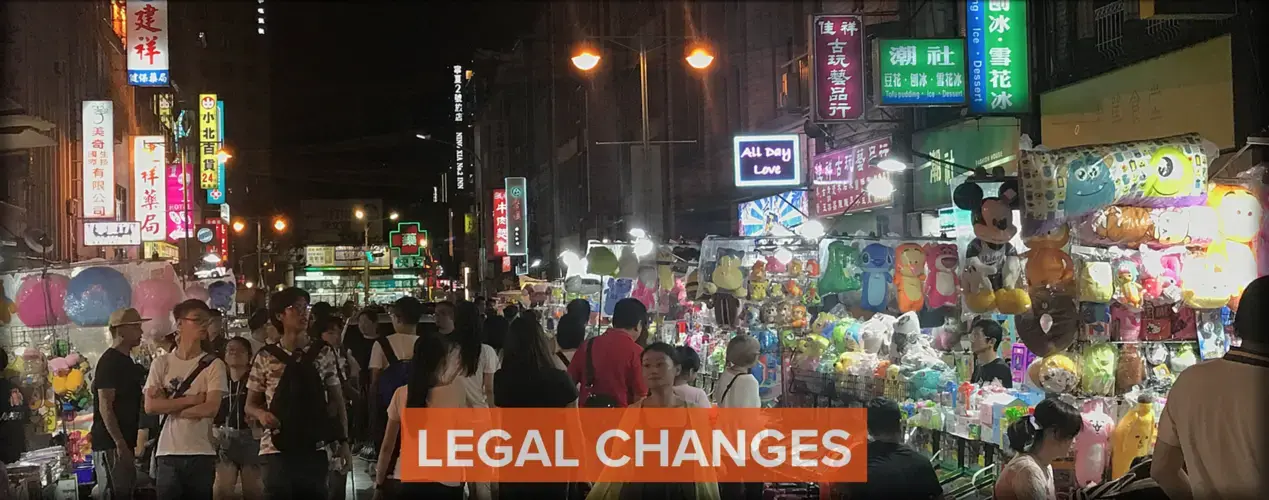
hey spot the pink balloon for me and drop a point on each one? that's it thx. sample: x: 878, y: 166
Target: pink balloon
x: 41, y: 300
x: 154, y: 299
x: 197, y: 291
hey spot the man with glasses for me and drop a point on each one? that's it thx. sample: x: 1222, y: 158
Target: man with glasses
x: 117, y: 407
x: 184, y: 388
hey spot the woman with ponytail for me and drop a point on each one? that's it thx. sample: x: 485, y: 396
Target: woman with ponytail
x: 1038, y: 440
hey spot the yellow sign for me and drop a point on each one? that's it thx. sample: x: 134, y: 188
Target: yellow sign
x: 208, y: 141
x: 469, y: 224
x: 1187, y: 91
x: 161, y: 250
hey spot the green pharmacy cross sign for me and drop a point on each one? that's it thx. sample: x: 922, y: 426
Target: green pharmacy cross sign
x: 409, y: 238
x: 921, y: 72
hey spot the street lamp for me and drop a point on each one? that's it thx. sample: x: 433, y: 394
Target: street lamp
x: 240, y: 225
x: 699, y: 58
x: 359, y: 214
x: 586, y: 60
x: 393, y: 216
x: 279, y: 225
x: 223, y: 156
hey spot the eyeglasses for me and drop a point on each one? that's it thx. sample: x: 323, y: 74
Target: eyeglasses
x: 200, y: 321
x: 300, y: 308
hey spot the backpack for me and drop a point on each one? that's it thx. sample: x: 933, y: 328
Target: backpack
x: 299, y: 403
x: 394, y: 376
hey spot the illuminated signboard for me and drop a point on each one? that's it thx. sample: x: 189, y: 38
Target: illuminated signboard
x: 768, y: 160
x: 500, y: 222
x: 99, y: 159
x: 147, y: 38
x: 409, y: 239
x: 208, y: 141
x: 179, y: 223
x: 837, y: 69
x: 460, y: 166
x: 776, y: 215
x: 149, y: 187
x: 517, y: 216
x: 104, y: 234
x: 216, y: 195
x: 220, y: 242
x: 921, y: 71
x: 999, y: 76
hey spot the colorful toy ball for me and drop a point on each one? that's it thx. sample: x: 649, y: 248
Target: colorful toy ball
x: 94, y: 293
x: 155, y: 299
x: 197, y: 291
x: 222, y: 295
x: 41, y: 300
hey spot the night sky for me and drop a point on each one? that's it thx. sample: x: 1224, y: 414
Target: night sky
x: 353, y: 82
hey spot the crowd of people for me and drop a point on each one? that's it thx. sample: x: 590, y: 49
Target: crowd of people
x: 264, y: 415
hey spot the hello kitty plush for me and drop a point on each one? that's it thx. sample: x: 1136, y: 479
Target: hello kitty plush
x: 1092, y: 444
x: 941, y: 281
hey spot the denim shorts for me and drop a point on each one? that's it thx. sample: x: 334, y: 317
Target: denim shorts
x: 239, y: 447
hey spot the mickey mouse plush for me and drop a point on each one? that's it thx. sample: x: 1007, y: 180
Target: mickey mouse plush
x: 991, y: 253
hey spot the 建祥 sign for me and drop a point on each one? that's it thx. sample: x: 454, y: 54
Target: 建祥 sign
x: 767, y: 160
x: 837, y: 69
x: 147, y: 43
x: 999, y: 78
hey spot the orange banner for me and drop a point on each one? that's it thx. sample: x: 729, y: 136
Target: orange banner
x: 634, y: 445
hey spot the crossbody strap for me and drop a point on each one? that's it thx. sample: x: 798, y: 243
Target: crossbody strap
x: 589, y: 380
x: 203, y: 363
x: 728, y: 388
x: 563, y: 358
x: 388, y: 353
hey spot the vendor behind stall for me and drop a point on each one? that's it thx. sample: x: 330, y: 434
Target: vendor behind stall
x: 13, y: 414
x: 984, y: 339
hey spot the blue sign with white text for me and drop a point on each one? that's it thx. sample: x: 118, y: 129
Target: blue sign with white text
x: 147, y: 77
x: 768, y: 160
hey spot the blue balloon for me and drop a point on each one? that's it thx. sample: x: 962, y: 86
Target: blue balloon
x: 222, y: 295
x: 94, y: 293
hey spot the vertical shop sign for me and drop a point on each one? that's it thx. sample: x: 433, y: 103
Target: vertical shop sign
x: 460, y: 162
x: 987, y: 142
x: 517, y: 216
x: 837, y: 54
x: 500, y: 222
x: 219, y: 244
x: 98, y: 176
x: 149, y: 187
x: 845, y: 175
x: 216, y: 195
x: 999, y: 78
x: 921, y: 72
x: 147, y: 38
x: 208, y: 141
x: 506, y: 263
x: 179, y: 225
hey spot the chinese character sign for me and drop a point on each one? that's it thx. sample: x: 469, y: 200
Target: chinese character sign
x: 149, y: 187
x: 921, y: 72
x: 517, y: 216
x: 500, y: 222
x: 99, y: 159
x: 179, y: 225
x: 458, y: 94
x: 999, y: 78
x: 216, y: 195
x: 147, y: 37
x: 838, y: 75
x: 767, y: 160
x: 219, y: 243
x: 208, y: 141
x: 849, y: 165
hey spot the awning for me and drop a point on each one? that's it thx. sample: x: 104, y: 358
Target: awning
x: 26, y: 139
x: 20, y: 131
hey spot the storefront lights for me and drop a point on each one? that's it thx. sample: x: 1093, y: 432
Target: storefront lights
x: 643, y: 247
x: 880, y: 187
x: 811, y: 230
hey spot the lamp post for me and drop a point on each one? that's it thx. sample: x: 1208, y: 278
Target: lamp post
x: 365, y: 242
x: 279, y: 226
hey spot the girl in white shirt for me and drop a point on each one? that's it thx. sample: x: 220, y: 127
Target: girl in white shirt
x: 738, y: 388
x: 689, y: 365
x: 1038, y: 440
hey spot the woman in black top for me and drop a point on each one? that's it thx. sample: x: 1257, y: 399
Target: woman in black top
x: 571, y: 330
x: 530, y: 379
x: 239, y: 449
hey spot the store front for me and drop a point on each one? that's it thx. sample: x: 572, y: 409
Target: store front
x: 337, y: 274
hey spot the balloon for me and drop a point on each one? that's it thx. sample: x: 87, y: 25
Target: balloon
x: 96, y: 292
x: 197, y: 291
x: 222, y: 295
x: 155, y: 299
x: 41, y: 300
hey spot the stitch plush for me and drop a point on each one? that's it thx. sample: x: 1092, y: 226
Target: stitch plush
x: 909, y: 275
x: 877, y: 261
x: 941, y: 280
x: 993, y: 230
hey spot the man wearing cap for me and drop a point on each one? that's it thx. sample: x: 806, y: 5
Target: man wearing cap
x: 117, y: 408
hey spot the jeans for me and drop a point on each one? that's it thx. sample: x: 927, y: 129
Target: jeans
x: 115, y: 480
x: 185, y: 476
x: 298, y: 475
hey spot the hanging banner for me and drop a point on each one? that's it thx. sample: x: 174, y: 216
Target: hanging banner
x: 999, y: 76
x: 500, y: 222
x: 921, y: 72
x: 506, y: 263
x: 517, y: 216
x: 848, y: 165
x: 147, y: 43
x: 179, y: 223
x: 112, y: 234
x: 767, y: 160
x: 837, y: 68
x: 149, y: 187
x: 987, y: 142
x: 216, y: 195
x: 208, y: 141
x: 98, y: 176
x: 776, y: 215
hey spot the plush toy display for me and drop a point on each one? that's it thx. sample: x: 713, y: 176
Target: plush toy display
x: 1239, y: 220
x: 877, y: 262
x: 875, y: 334
x: 1092, y: 444
x: 758, y: 281
x: 41, y: 300
x: 1125, y: 324
x: 1115, y: 225
x: 1052, y: 325
x: 627, y: 263
x: 1205, y: 283
x: 1095, y: 321
x: 1128, y: 291
x: 812, y: 268
x: 942, y: 281
x: 1161, y: 282
x: 1133, y: 436
x: 1095, y: 281
x: 795, y: 268
x: 774, y: 266
x: 1059, y: 373
x: 1048, y: 265
x: 665, y: 268
x: 601, y: 261
x: 841, y: 274
x: 727, y: 276
x: 907, y: 328
x: 616, y: 290
x: 909, y: 260
x: 1131, y: 369
x: 1097, y: 367
x: 1182, y: 356
x: 991, y: 251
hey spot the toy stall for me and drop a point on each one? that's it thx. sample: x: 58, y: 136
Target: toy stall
x: 55, y: 330
x: 642, y: 269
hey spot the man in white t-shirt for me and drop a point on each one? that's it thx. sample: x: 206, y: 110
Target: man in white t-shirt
x: 185, y: 387
x: 1211, y: 432
x: 405, y: 313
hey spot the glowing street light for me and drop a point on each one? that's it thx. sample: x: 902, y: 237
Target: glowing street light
x: 393, y: 216
x: 880, y: 187
x: 700, y: 58
x: 359, y: 214
x: 239, y: 225
x: 586, y: 61
x: 250, y: 284
x: 279, y: 224
x: 223, y: 156
x: 211, y: 258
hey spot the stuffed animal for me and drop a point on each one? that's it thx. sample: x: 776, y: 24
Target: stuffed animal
x: 1059, y: 373
x: 812, y: 296
x: 841, y: 273
x: 941, y: 280
x: 1097, y: 367
x: 799, y: 318
x: 909, y: 260
x: 601, y: 261
x: 1239, y: 219
x: 1118, y: 225
x: 758, y: 281
x: 1095, y: 281
x: 924, y: 384
x: 812, y: 268
x: 1047, y: 263
x: 793, y: 289
x: 617, y: 289
x: 1131, y: 369
x: 906, y: 329
x: 875, y: 333
x: 1183, y: 356
x: 1128, y: 291
x: 1161, y: 282
x: 979, y: 297
x: 1052, y: 325
x: 769, y: 313
x: 774, y: 266
x: 1092, y: 444
x: 627, y: 263
x: 645, y: 294
x: 665, y: 268
x: 1206, y: 285
x: 795, y: 268
x: 1132, y: 436
x: 727, y: 275
x: 993, y: 229
x: 775, y: 290
x: 877, y: 261
x: 1095, y: 321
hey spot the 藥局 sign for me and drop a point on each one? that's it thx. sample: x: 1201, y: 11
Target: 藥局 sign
x: 837, y: 71
x: 147, y: 43
x: 999, y: 77
x: 767, y: 160
x: 149, y: 187
x: 921, y: 71
x: 110, y: 233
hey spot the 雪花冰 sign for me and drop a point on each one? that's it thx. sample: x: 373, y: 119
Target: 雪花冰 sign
x: 147, y: 42
x: 110, y: 233
x: 149, y: 187
x: 921, y: 72
x: 999, y: 77
x: 767, y: 160
x: 837, y: 72
x: 500, y: 222
x: 99, y: 159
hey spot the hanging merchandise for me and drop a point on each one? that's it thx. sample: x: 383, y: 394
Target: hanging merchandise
x: 1048, y: 265
x: 1239, y: 219
x: 601, y: 261
x: 942, y: 284
x: 842, y: 272
x: 41, y: 300
x: 94, y: 293
x: 1092, y: 444
x: 877, y: 263
x: 991, y: 259
x: 909, y: 276
x: 1052, y: 324
x: 1133, y: 436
